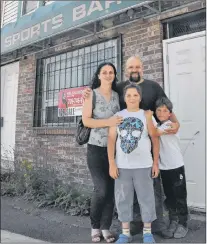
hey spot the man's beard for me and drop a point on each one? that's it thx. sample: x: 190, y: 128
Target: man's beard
x: 135, y: 78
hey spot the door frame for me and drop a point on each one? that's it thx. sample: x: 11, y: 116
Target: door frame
x: 17, y: 63
x: 166, y: 75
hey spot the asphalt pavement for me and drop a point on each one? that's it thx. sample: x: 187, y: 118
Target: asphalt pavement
x: 52, y: 225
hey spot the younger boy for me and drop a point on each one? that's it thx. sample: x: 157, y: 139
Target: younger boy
x: 172, y: 173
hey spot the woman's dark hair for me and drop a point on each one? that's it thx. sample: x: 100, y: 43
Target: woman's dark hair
x: 164, y: 101
x: 132, y: 85
x: 96, y: 81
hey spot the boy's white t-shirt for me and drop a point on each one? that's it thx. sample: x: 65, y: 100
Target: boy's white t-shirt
x: 170, y: 152
x: 133, y: 146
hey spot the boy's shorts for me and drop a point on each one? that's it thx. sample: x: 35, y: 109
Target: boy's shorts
x: 140, y: 180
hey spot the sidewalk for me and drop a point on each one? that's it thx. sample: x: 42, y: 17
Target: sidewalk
x: 54, y: 226
x: 9, y: 237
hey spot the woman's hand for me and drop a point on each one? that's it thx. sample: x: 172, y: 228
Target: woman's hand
x: 114, y: 121
x: 113, y: 170
x: 155, y: 170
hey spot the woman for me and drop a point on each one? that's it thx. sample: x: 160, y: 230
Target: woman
x: 102, y: 117
x: 134, y: 167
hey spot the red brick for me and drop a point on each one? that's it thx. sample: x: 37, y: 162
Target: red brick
x: 148, y: 53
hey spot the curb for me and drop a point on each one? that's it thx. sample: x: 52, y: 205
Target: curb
x: 10, y: 237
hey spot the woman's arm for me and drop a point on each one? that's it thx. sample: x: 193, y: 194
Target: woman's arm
x: 89, y: 122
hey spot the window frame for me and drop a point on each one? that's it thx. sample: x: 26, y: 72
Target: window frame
x: 39, y: 117
x: 47, y: 3
x: 22, y: 8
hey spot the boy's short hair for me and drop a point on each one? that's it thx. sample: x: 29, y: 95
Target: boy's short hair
x: 164, y: 101
x: 135, y: 86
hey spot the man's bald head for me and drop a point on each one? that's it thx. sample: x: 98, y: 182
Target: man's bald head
x: 133, y: 59
x: 133, y: 64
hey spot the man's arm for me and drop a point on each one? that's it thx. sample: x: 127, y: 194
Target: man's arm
x: 174, y: 125
x: 173, y: 118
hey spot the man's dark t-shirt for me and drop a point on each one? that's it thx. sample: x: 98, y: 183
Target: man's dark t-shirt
x: 151, y: 91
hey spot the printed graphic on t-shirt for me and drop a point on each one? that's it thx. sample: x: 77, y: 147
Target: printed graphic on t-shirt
x: 130, y: 133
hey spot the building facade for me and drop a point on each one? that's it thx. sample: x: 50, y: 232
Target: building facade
x: 50, y: 46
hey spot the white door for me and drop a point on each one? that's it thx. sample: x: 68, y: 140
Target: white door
x: 9, y: 87
x: 184, y: 71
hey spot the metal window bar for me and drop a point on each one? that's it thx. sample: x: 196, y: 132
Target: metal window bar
x: 187, y: 24
x: 78, y: 67
x: 59, y: 80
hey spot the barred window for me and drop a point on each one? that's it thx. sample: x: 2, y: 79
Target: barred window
x: 185, y: 24
x: 69, y: 70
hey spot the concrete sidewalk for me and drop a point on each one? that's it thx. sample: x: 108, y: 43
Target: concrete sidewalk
x: 9, y: 237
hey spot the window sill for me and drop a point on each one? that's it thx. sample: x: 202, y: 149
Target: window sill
x: 54, y: 131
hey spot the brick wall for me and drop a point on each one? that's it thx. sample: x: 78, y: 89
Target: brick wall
x: 143, y: 38
x: 59, y: 151
x: 25, y: 103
